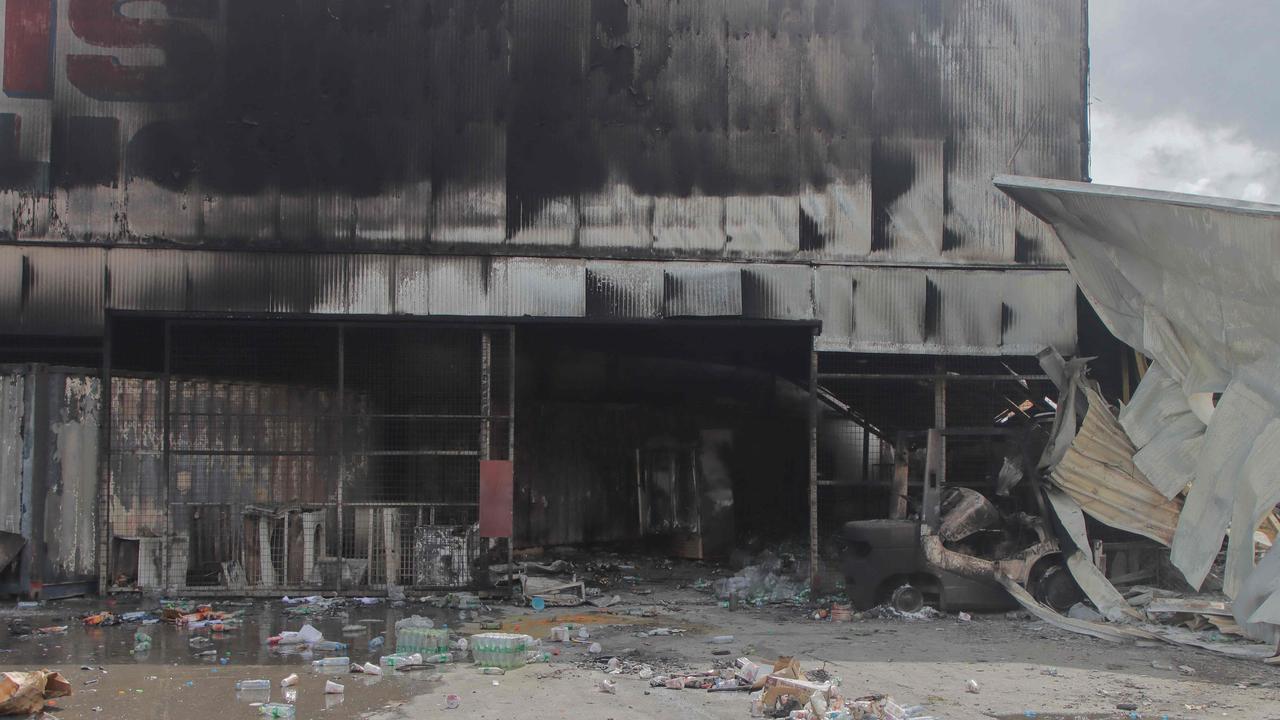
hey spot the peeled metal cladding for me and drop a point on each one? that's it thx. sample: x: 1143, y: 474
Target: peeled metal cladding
x: 1189, y: 282
x: 819, y: 133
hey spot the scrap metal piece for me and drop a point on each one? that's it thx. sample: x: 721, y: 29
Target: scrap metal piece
x: 964, y: 512
x: 1095, y: 585
x: 1098, y: 472
x: 1187, y: 281
x: 1102, y: 631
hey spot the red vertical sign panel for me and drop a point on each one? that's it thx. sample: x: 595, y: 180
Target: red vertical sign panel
x: 28, y: 49
x: 496, y: 498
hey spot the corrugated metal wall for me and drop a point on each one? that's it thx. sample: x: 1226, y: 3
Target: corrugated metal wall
x: 49, y: 432
x: 889, y: 309
x: 858, y: 129
x: 807, y: 131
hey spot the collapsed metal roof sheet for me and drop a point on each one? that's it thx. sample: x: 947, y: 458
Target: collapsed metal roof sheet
x: 1098, y: 472
x: 1191, y: 282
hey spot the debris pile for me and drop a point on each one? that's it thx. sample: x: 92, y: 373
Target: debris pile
x: 772, y: 579
x: 781, y: 689
x: 23, y: 693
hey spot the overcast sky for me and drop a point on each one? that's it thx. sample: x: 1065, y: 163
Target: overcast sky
x: 1185, y: 95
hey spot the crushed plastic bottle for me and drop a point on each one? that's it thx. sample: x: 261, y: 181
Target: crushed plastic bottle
x: 492, y: 671
x: 253, y: 685
x: 398, y: 659
x: 376, y: 643
x: 276, y: 710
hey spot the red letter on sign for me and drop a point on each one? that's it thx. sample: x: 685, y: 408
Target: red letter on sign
x: 28, y: 48
x: 188, y: 54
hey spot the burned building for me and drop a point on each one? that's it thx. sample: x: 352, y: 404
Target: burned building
x: 332, y: 294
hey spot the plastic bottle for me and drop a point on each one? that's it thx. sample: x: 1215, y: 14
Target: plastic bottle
x: 492, y: 671
x: 334, y: 661
x: 376, y: 643
x: 399, y: 659
x: 328, y: 646
x: 438, y: 658
x: 276, y: 710
x: 721, y: 640
x: 253, y: 685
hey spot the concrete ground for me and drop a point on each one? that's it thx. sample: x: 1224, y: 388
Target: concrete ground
x: 1020, y: 665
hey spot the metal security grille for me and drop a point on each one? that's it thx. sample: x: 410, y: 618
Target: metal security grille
x: 307, y: 455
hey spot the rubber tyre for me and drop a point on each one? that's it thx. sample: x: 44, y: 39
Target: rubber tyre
x: 1057, y: 589
x: 907, y: 599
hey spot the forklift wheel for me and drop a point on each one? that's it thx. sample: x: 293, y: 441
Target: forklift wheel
x: 907, y: 599
x: 1057, y: 589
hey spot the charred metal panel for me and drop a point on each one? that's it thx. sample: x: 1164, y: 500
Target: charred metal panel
x: 150, y: 279
x: 624, y: 290
x: 860, y: 129
x: 1036, y: 308
x: 49, y: 476
x: 459, y: 286
x: 12, y: 416
x: 71, y: 486
x: 968, y: 308
x: 778, y: 292
x: 834, y: 300
x: 863, y: 308
x: 59, y: 290
x: 536, y: 288
x: 702, y: 290
x: 888, y: 307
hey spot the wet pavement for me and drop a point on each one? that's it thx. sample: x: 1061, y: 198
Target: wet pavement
x: 1022, y: 666
x: 173, y: 681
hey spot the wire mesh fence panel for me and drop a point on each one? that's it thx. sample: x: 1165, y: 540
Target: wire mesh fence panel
x: 253, y: 457
x: 136, y: 485
x: 276, y: 455
x: 420, y: 416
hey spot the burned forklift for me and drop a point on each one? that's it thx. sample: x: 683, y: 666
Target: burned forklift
x: 948, y: 553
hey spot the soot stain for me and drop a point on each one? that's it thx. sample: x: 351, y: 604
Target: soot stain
x: 893, y: 172
x: 364, y: 97
x: 86, y: 151
x: 932, y: 309
x: 1025, y: 248
x: 812, y: 238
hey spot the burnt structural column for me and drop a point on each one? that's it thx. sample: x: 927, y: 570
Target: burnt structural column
x: 813, y: 463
